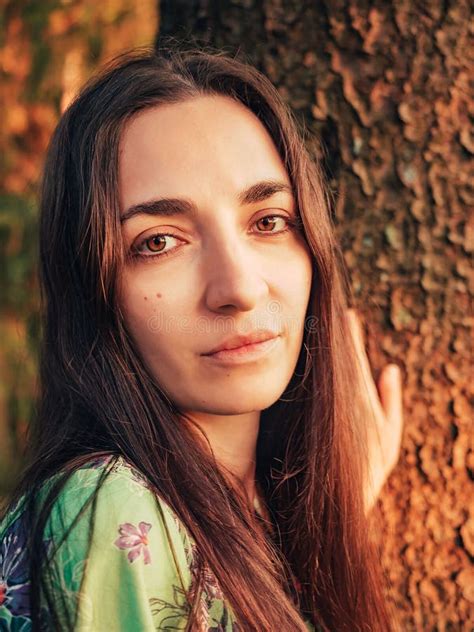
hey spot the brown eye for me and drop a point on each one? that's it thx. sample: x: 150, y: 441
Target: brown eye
x: 155, y: 246
x: 155, y: 243
x: 268, y: 223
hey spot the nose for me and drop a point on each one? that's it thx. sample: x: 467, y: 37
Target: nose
x: 233, y: 278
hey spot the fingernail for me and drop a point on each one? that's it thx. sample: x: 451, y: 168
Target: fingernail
x: 394, y: 371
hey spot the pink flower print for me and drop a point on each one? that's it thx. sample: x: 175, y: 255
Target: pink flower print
x: 134, y: 539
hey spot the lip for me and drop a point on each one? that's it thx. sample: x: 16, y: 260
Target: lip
x: 236, y: 342
x: 245, y: 353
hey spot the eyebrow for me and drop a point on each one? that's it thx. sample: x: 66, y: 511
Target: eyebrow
x: 168, y: 207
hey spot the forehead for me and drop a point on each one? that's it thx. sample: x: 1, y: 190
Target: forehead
x: 202, y: 147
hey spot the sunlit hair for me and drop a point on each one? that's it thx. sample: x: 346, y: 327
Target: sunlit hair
x: 97, y: 396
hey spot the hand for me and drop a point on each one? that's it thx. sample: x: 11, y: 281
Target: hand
x: 385, y: 399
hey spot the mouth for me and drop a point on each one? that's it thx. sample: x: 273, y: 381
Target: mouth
x: 246, y: 353
x: 241, y: 340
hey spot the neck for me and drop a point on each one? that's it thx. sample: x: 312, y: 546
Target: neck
x: 233, y: 440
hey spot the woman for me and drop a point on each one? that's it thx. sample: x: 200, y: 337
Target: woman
x: 198, y: 460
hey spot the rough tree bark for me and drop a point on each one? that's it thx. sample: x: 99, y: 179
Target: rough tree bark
x: 387, y: 86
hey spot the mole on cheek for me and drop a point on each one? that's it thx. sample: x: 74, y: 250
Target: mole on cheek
x: 158, y: 295
x: 146, y: 298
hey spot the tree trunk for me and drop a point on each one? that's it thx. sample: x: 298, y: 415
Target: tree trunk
x: 388, y: 90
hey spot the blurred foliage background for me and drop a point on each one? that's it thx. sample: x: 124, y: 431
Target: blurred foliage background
x: 48, y: 48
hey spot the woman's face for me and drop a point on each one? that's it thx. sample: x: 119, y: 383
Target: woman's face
x: 205, y: 265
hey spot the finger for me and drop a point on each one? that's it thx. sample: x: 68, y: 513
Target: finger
x: 390, y: 386
x: 355, y: 325
x: 391, y: 397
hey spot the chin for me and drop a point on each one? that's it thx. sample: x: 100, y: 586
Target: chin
x: 235, y: 402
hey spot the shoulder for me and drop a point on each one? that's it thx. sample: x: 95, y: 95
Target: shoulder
x: 138, y: 555
x: 110, y: 501
x: 118, y: 555
x: 109, y: 482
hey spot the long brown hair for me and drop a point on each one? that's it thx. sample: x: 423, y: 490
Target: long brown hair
x: 97, y: 396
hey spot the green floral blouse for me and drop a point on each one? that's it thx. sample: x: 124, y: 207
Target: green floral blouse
x: 129, y: 579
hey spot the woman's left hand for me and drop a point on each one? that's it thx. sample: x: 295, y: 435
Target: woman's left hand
x: 385, y: 399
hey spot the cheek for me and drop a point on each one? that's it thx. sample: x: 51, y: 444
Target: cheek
x: 301, y: 289
x: 296, y: 275
x: 136, y: 297
x: 154, y: 312
x: 292, y: 285
x: 139, y: 302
